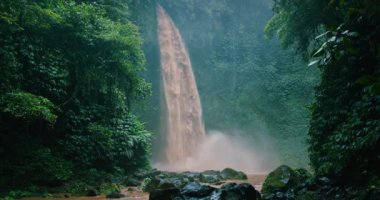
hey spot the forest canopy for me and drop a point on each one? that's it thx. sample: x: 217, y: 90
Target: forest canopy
x: 344, y: 130
x: 69, y: 76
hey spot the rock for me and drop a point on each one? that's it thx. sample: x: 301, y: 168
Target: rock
x: 229, y: 173
x: 280, y: 180
x: 167, y: 194
x: 150, y: 184
x: 115, y: 195
x: 174, y: 186
x: 217, y: 195
x: 164, y: 180
x: 192, y: 175
x: 233, y: 191
x: 131, y: 181
x: 286, y: 183
x: 306, y: 196
x: 210, y: 176
x: 91, y: 192
x: 241, y: 176
x: 143, y: 173
x: 194, y: 189
x: 173, y: 182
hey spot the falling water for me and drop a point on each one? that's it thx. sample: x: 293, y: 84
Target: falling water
x: 184, y: 125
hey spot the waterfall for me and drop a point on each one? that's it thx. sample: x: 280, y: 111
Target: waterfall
x: 184, y: 126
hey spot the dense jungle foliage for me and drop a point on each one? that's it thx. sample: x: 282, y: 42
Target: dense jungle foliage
x: 345, y: 125
x: 72, y: 83
x: 69, y: 77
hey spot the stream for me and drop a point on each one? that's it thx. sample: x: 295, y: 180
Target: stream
x: 256, y: 180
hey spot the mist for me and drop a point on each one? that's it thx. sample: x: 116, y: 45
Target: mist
x: 218, y: 150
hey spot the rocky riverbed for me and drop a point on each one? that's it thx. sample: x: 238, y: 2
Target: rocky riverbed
x: 210, y: 184
x: 284, y: 183
x: 227, y: 184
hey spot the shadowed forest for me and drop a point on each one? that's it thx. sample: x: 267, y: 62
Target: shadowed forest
x: 190, y: 99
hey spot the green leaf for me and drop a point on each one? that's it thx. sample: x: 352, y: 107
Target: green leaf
x: 322, y: 35
x: 319, y: 52
x: 366, y: 80
x: 28, y: 106
x: 375, y: 89
x: 314, y: 62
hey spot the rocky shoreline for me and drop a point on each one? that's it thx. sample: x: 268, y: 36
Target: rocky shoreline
x: 284, y: 183
x: 210, y: 184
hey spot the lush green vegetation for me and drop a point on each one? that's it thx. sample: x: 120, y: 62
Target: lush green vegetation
x: 344, y: 129
x: 71, y: 86
x: 69, y: 77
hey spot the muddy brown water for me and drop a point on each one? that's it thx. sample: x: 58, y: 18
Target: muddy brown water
x: 134, y: 193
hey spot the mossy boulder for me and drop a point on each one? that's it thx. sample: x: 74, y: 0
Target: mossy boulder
x: 280, y: 180
x: 172, y: 182
x: 110, y: 189
x: 149, y: 184
x: 164, y: 180
x: 283, y: 181
x: 229, y: 173
x: 210, y: 176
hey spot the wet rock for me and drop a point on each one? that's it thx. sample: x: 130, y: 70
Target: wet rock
x: 172, y: 182
x: 166, y: 194
x: 91, y: 192
x: 150, y: 184
x: 131, y: 181
x: 286, y: 183
x: 280, y: 180
x: 229, y: 173
x: 217, y: 195
x: 164, y: 180
x: 194, y: 189
x: 185, y: 186
x: 115, y: 195
x: 233, y: 191
x: 210, y: 176
x: 241, y: 176
x: 192, y: 175
x: 143, y: 173
x: 153, y: 173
